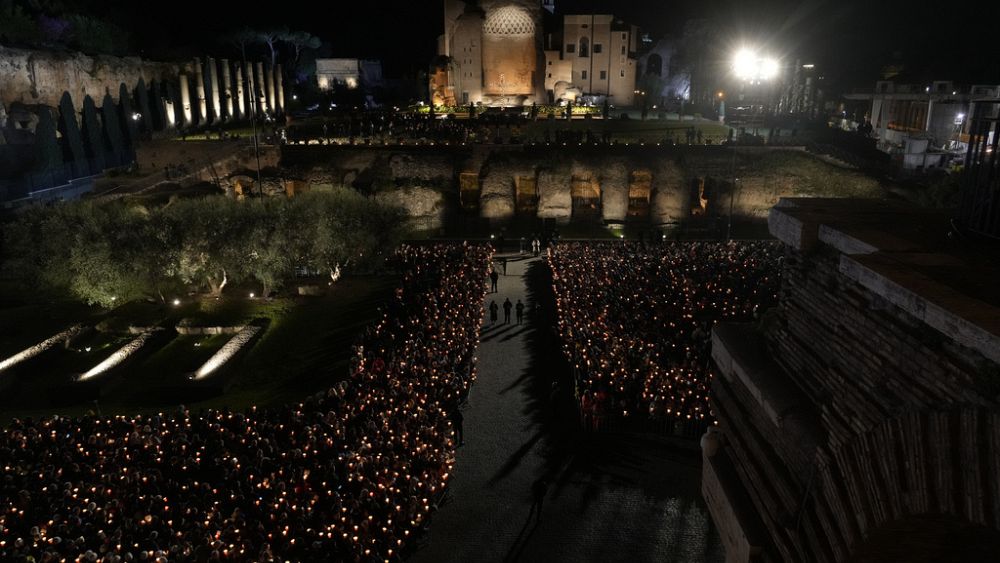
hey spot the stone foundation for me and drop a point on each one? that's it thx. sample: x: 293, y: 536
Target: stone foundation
x: 607, y: 170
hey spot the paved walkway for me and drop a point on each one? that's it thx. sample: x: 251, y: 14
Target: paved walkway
x: 606, y: 497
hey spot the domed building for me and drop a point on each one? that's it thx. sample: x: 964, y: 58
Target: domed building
x: 493, y: 53
x: 516, y: 52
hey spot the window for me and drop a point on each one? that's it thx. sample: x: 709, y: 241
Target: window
x: 598, y: 48
x: 584, y: 47
x: 623, y: 49
x: 623, y: 73
x: 570, y: 48
x: 550, y: 63
x: 604, y: 75
x: 624, y: 37
x: 583, y: 75
x: 550, y: 75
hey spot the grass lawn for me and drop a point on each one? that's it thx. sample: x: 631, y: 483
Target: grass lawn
x: 305, y: 348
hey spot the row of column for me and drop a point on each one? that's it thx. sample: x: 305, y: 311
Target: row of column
x: 231, y: 93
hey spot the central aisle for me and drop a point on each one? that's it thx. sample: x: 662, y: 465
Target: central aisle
x: 607, y: 497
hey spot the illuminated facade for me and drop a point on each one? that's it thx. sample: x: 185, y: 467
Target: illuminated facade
x: 348, y: 73
x: 492, y: 51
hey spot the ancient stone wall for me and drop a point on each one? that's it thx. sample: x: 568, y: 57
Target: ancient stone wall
x: 40, y: 77
x: 850, y: 408
x: 608, y: 171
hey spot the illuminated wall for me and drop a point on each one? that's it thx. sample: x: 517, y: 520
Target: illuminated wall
x: 510, y: 51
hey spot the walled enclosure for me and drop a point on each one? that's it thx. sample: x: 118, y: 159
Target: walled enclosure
x: 861, y: 420
x: 425, y: 179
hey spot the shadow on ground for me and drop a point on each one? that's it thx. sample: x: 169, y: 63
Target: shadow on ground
x: 588, y: 461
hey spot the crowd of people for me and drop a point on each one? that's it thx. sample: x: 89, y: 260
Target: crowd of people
x: 636, y: 319
x: 350, y: 474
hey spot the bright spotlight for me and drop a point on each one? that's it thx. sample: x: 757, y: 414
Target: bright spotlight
x: 768, y: 69
x: 749, y: 65
x: 745, y: 64
x: 177, y: 302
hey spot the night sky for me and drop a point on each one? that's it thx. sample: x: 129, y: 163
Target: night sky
x: 851, y: 39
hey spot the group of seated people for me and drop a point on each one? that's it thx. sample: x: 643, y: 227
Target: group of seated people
x: 349, y: 474
x: 635, y: 321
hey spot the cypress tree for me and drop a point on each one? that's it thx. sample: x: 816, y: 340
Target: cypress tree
x: 72, y: 141
x: 130, y: 128
x: 48, y: 154
x: 156, y: 120
x: 142, y: 98
x: 93, y: 137
x: 114, y: 144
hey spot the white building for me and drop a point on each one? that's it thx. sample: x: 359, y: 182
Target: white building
x: 348, y: 73
x: 601, y: 51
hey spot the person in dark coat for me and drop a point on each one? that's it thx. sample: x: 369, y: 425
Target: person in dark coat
x: 507, y: 305
x: 519, y: 309
x: 494, y: 309
x: 456, y: 423
x: 494, y: 277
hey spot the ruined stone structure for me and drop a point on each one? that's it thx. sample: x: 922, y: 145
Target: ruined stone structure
x: 656, y: 185
x: 33, y: 77
x: 203, y: 86
x: 860, y: 421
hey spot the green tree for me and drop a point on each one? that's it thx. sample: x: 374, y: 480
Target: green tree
x: 266, y: 238
x: 300, y: 41
x: 209, y: 248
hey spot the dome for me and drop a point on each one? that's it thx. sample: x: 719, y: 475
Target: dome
x: 509, y: 21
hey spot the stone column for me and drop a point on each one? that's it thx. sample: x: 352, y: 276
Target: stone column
x: 280, y: 87
x: 213, y: 81
x: 251, y: 96
x: 227, y: 88
x: 270, y: 89
x: 240, y: 101
x: 201, y: 112
x: 185, y: 101
x: 261, y: 88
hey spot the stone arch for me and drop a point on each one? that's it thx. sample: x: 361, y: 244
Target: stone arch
x: 640, y: 192
x: 585, y: 191
x: 469, y: 190
x: 911, y: 473
x: 526, y: 194
x: 654, y: 65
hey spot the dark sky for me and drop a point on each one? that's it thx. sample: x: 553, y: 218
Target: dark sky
x: 851, y: 38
